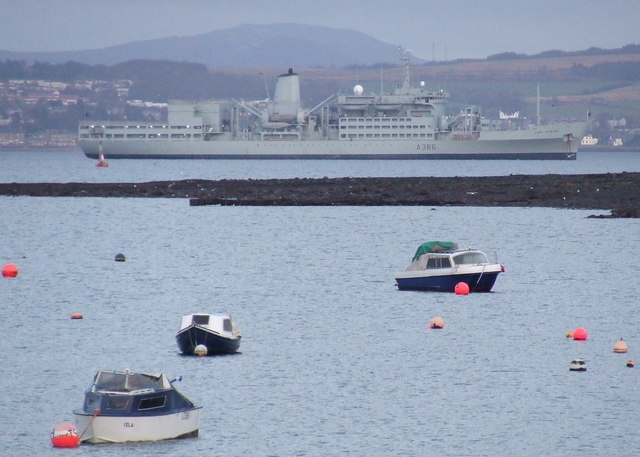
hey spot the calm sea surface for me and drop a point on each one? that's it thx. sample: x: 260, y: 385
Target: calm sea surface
x: 334, y: 360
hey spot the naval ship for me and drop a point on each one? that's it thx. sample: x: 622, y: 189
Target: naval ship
x: 409, y: 123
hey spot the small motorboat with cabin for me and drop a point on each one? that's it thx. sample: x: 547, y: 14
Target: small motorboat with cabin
x: 208, y: 334
x: 440, y: 265
x: 124, y: 406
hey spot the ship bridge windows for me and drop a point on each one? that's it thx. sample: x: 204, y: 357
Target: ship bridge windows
x: 136, y: 135
x: 96, y: 135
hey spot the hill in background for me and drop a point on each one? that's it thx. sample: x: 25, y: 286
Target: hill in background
x: 274, y: 45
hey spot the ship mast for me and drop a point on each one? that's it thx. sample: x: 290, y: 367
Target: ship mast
x: 406, y: 60
x: 538, y: 105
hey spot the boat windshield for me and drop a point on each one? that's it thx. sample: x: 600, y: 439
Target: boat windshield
x: 126, y: 382
x: 200, y: 319
x: 470, y: 258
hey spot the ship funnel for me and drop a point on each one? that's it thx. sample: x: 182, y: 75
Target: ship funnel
x: 286, y: 100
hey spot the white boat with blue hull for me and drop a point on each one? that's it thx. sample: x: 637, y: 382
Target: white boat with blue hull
x: 410, y: 123
x: 123, y: 406
x: 439, y: 266
x: 215, y: 334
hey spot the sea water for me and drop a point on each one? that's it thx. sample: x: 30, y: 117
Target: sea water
x: 72, y: 166
x: 334, y: 359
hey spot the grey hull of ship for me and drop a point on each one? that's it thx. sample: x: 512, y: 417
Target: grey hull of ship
x: 543, y: 149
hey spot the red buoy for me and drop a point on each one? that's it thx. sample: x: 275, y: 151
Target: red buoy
x: 10, y: 271
x: 437, y: 322
x: 65, y: 435
x: 579, y: 334
x: 462, y: 288
x: 101, y: 162
x: 76, y: 315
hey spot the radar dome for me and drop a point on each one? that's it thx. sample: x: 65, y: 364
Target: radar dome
x: 422, y: 84
x: 358, y: 89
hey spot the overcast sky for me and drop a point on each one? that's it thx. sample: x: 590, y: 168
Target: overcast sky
x: 443, y: 29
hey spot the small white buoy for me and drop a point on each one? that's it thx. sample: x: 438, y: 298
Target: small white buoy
x: 200, y: 350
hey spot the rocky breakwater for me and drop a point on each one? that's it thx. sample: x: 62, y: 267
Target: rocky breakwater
x: 617, y: 192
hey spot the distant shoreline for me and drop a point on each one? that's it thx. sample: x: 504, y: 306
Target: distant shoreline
x: 617, y: 192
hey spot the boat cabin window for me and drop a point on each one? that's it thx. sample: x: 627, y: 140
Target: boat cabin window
x: 117, y: 402
x: 152, y: 403
x: 470, y: 258
x: 226, y: 325
x: 92, y: 402
x: 438, y: 262
x: 201, y: 320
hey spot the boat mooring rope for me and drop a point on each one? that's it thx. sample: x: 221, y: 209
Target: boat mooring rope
x: 96, y: 412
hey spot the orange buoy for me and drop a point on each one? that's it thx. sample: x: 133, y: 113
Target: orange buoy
x: 630, y: 363
x: 620, y: 346
x: 10, y: 271
x: 569, y: 335
x: 76, y: 315
x: 579, y: 334
x: 437, y: 322
x: 65, y: 435
x: 462, y: 288
x: 101, y: 162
